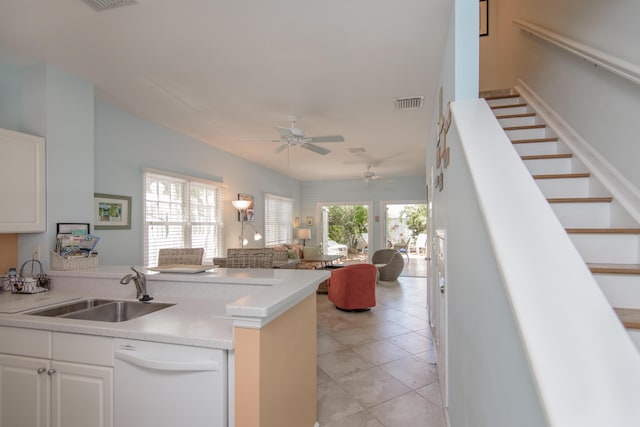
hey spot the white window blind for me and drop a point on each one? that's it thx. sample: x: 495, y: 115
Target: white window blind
x: 181, y: 212
x: 278, y: 220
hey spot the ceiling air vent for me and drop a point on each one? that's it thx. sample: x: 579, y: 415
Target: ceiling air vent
x: 409, y: 103
x: 356, y: 150
x: 108, y: 4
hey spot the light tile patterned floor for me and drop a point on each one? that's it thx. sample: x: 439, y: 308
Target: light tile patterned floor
x: 376, y: 368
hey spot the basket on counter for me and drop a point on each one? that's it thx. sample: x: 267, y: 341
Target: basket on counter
x: 37, y: 281
x: 74, y: 263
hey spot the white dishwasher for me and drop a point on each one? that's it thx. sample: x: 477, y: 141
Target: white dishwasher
x: 158, y: 385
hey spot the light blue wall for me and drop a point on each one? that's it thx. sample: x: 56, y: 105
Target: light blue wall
x: 125, y: 144
x: 59, y: 106
x: 400, y: 189
x: 602, y: 107
x: 9, y: 97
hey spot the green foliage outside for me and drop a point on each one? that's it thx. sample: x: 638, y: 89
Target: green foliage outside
x: 415, y: 216
x: 347, y: 223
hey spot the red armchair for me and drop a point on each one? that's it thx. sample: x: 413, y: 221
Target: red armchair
x: 353, y: 288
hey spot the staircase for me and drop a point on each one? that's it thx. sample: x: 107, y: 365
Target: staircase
x: 606, y: 236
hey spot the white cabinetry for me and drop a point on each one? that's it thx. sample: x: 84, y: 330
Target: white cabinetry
x: 24, y: 391
x: 22, y: 183
x: 55, y: 379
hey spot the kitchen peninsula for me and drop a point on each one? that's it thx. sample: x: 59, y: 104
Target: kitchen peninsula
x: 262, y: 321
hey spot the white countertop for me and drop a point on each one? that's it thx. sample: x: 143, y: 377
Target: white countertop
x: 207, y: 305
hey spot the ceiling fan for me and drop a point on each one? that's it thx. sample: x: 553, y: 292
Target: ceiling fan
x: 369, y: 175
x: 293, y: 136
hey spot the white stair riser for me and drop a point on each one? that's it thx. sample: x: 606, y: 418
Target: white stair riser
x: 607, y: 248
x: 582, y: 215
x: 509, y: 110
x: 621, y: 290
x: 564, y: 187
x: 517, y: 121
x: 527, y: 134
x: 504, y: 101
x: 550, y: 166
x: 537, y: 148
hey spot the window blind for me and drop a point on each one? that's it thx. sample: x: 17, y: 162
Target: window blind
x: 278, y: 220
x: 181, y: 212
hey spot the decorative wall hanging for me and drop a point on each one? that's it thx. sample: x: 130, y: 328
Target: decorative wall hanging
x: 248, y: 212
x: 484, y: 18
x: 111, y: 212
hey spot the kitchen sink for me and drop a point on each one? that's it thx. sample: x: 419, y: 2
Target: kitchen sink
x: 104, y: 310
x: 70, y: 307
x: 118, y: 311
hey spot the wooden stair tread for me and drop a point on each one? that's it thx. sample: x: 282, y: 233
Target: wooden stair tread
x: 547, y: 156
x: 614, y: 268
x: 580, y: 199
x: 539, y: 126
x: 497, y: 107
x: 516, y: 116
x: 630, y: 317
x: 529, y: 141
x: 509, y: 96
x: 603, y: 230
x: 562, y: 175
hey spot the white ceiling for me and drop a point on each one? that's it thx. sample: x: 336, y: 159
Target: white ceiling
x: 226, y: 72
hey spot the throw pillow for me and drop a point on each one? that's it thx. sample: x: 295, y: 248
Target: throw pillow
x: 310, y: 251
x: 293, y: 254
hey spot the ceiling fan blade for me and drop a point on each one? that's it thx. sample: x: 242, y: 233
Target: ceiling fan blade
x: 315, y: 148
x: 280, y: 148
x: 326, y: 138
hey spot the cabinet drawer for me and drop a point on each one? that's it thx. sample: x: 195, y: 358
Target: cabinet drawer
x: 79, y: 348
x: 25, y: 342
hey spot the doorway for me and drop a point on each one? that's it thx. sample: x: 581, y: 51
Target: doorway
x: 345, y: 231
x: 406, y: 231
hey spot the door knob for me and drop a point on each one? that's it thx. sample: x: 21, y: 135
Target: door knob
x: 41, y: 370
x: 51, y: 372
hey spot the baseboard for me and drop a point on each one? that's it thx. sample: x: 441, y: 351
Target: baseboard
x: 620, y: 187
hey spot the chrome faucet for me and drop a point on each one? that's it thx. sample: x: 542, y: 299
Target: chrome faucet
x: 140, y: 280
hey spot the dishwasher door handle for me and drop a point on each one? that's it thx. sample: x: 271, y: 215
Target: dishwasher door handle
x: 168, y: 365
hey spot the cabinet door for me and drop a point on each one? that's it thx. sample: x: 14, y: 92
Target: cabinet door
x: 23, y: 201
x: 82, y: 395
x: 24, y: 391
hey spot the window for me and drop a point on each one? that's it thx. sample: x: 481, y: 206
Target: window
x: 278, y: 220
x: 181, y: 212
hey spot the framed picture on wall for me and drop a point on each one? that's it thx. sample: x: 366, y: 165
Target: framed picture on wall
x: 484, y: 18
x: 111, y: 212
x: 249, y: 212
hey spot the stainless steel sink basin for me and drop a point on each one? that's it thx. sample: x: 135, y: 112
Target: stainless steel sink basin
x: 70, y: 307
x: 104, y: 310
x: 118, y: 311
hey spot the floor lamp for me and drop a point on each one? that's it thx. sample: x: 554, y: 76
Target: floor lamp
x: 242, y: 206
x: 304, y: 234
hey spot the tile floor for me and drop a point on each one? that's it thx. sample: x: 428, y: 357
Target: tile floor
x: 377, y: 368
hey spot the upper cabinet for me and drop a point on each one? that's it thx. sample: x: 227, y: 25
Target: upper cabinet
x: 22, y: 183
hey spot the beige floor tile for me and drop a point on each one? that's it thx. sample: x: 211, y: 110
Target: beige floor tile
x: 341, y: 363
x: 380, y: 352
x: 412, y: 342
x: 429, y: 356
x: 387, y: 329
x: 372, y: 387
x: 327, y: 344
x: 412, y: 323
x: 409, y: 410
x: 361, y: 419
x: 431, y: 392
x: 354, y: 336
x: 322, y: 376
x: 334, y: 403
x: 412, y: 371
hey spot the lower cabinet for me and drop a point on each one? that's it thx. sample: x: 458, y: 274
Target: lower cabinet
x: 49, y: 392
x: 24, y: 391
x: 42, y: 393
